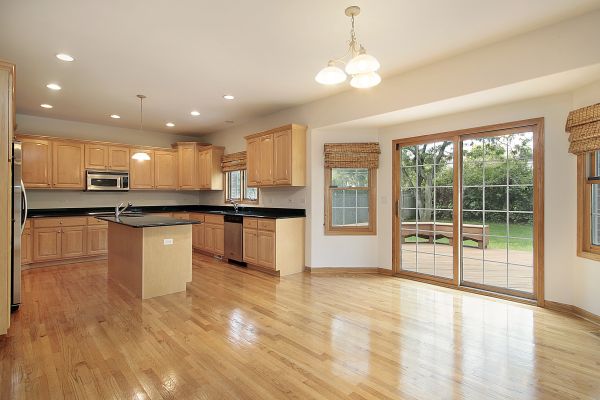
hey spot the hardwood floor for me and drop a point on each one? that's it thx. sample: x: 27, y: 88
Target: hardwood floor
x: 242, y: 334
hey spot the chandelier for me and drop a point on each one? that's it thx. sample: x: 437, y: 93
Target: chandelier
x: 361, y: 66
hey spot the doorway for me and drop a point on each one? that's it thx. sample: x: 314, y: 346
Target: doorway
x: 469, y: 209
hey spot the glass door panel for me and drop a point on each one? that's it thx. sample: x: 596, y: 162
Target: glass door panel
x: 426, y: 209
x: 497, y: 212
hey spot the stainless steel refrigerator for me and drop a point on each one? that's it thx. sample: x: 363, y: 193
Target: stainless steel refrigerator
x: 19, y: 207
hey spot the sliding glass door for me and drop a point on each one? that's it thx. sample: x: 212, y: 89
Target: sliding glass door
x: 469, y: 208
x: 427, y: 229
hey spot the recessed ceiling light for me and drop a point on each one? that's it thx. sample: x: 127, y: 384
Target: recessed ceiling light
x: 115, y: 116
x: 45, y: 105
x: 53, y: 86
x: 64, y: 57
x: 170, y: 124
x: 195, y: 113
x: 228, y: 97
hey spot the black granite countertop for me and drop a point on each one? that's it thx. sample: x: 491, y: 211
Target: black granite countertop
x: 257, y: 212
x: 147, y: 221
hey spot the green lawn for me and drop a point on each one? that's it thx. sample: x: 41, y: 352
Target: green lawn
x: 497, y: 241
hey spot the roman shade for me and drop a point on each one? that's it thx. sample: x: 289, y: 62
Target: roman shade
x: 352, y: 155
x: 583, y: 126
x: 234, y: 161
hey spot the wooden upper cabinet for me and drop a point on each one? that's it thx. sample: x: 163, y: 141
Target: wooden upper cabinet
x: 68, y: 165
x: 141, y: 172
x: 265, y: 169
x: 165, y: 169
x: 96, y: 156
x: 252, y: 161
x: 37, y: 163
x: 188, y: 165
x: 210, y: 172
x: 282, y: 158
x: 118, y: 158
x: 277, y: 157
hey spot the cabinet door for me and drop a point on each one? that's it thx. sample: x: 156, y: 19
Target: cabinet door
x: 265, y: 174
x: 118, y: 158
x: 141, y: 172
x: 253, y: 161
x: 219, y: 240
x: 204, y: 169
x: 73, y: 241
x: 198, y: 236
x: 266, y: 249
x: 97, y: 240
x: 209, y: 238
x: 250, y: 246
x: 67, y: 165
x: 188, y: 165
x: 26, y: 247
x: 96, y: 156
x: 46, y: 244
x: 282, y: 168
x: 37, y: 163
x: 165, y: 169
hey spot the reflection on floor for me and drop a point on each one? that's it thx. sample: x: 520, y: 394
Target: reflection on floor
x: 496, y: 267
x: 240, y: 334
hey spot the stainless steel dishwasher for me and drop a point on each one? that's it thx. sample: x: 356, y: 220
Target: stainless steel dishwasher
x: 234, y: 245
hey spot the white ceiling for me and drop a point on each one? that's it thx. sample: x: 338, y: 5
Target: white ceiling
x: 186, y: 54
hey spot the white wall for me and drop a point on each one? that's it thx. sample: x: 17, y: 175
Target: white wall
x: 79, y: 130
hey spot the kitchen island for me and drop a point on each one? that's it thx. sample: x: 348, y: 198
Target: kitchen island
x: 150, y: 255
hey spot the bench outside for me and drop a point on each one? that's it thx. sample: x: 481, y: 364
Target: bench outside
x: 436, y: 230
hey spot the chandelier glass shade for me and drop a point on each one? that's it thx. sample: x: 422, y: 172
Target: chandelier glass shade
x: 140, y: 155
x: 362, y: 67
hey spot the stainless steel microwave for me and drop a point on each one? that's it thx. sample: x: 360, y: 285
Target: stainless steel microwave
x: 107, y: 181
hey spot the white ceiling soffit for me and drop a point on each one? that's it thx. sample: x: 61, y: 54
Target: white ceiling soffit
x: 185, y: 55
x: 539, y: 87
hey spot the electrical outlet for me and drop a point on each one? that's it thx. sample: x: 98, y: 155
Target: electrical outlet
x: 168, y: 242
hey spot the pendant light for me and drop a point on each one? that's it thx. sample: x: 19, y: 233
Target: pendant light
x: 361, y: 66
x: 141, y: 156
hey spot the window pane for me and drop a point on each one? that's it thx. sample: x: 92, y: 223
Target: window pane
x: 234, y: 185
x: 595, y: 225
x: 350, y: 177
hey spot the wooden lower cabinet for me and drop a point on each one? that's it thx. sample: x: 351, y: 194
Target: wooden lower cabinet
x: 46, y: 244
x: 209, y: 235
x: 27, y: 246
x: 97, y: 240
x: 73, y: 241
x: 214, y: 239
x: 275, y: 244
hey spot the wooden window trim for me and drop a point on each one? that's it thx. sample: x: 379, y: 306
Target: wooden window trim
x: 585, y: 248
x: 243, y: 188
x: 369, y: 230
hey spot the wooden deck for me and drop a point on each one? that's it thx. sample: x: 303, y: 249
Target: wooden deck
x: 239, y: 334
x: 483, y: 266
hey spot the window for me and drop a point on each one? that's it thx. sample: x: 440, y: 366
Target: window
x: 236, y: 188
x: 350, y: 201
x: 588, y: 170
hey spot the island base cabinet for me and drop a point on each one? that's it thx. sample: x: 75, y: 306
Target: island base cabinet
x: 275, y: 245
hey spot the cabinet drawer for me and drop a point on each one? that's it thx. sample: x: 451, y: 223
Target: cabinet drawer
x: 197, y: 217
x: 266, y: 225
x: 213, y: 219
x: 95, y: 221
x: 63, y: 221
x: 251, y: 223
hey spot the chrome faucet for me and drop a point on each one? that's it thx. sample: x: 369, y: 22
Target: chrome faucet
x: 235, y: 206
x: 119, y: 210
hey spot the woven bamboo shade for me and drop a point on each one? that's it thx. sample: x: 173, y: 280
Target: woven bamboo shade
x: 584, y: 127
x: 234, y: 161
x: 352, y: 155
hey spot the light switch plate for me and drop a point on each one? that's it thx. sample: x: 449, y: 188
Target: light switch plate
x: 168, y: 242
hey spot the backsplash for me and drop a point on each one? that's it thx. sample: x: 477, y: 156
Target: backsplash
x: 69, y: 198
x: 283, y: 197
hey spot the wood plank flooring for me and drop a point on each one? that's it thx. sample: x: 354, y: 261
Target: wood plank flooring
x: 238, y: 334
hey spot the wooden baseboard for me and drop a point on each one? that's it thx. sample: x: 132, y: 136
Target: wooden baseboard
x: 343, y: 270
x: 64, y: 261
x: 262, y: 269
x: 574, y: 310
